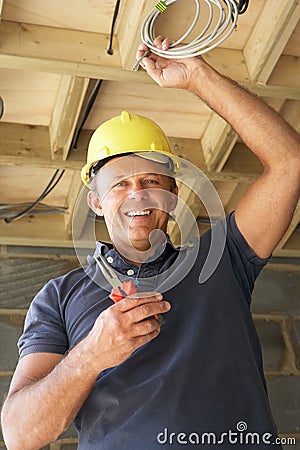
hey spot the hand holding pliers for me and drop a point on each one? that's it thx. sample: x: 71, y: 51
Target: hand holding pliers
x: 120, y: 289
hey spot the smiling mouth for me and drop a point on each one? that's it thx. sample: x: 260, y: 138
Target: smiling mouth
x: 141, y: 213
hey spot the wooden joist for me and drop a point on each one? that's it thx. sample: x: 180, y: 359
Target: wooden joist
x: 42, y: 231
x: 269, y: 37
x: 1, y: 6
x: 29, y: 146
x: 76, y: 187
x: 186, y: 212
x: 133, y: 16
x: 82, y: 54
x: 291, y: 229
x: 65, y: 114
x: 291, y: 113
x: 217, y: 142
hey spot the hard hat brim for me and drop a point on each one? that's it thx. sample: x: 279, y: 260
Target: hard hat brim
x: 158, y: 157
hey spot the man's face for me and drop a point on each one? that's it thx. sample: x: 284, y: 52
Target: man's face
x: 134, y: 198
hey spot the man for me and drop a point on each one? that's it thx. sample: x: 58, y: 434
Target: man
x: 130, y: 382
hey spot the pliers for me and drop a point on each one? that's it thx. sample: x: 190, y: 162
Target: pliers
x: 119, y: 289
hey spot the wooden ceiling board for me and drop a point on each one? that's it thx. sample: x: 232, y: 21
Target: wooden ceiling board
x: 178, y: 112
x: 275, y: 103
x: 46, y: 231
x: 57, y: 45
x: 28, y: 97
x: 286, y: 72
x: 86, y: 15
x: 30, y: 184
x: 69, y: 40
x: 292, y: 48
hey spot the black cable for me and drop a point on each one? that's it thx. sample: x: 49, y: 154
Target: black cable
x: 242, y: 6
x: 37, y: 212
x: 110, y: 50
x: 50, y: 186
x: 1, y: 107
x: 88, y: 108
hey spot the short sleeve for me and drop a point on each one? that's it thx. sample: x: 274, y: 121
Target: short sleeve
x: 44, y: 330
x: 245, y: 263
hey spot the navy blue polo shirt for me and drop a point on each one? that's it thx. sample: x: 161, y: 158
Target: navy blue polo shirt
x: 199, y: 383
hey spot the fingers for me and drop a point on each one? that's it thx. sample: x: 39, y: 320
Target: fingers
x: 124, y: 327
x: 136, y: 309
x: 138, y: 299
x: 161, y: 43
x: 142, y: 48
x: 149, y: 310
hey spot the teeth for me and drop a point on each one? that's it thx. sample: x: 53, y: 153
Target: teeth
x: 138, y: 213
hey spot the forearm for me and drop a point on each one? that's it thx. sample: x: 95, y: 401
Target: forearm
x: 41, y: 411
x: 267, y: 135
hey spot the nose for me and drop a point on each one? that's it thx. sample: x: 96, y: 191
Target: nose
x: 138, y: 192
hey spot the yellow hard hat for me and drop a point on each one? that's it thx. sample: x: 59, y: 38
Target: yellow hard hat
x: 128, y: 133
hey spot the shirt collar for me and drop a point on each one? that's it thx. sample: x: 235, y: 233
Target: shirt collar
x: 167, y: 253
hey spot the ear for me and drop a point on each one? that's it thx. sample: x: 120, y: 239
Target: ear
x: 94, y: 203
x: 174, y: 198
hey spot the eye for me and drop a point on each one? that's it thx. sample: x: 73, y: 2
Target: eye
x: 121, y: 183
x: 151, y: 181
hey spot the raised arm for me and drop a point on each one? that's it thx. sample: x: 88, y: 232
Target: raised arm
x: 48, y: 390
x: 265, y: 211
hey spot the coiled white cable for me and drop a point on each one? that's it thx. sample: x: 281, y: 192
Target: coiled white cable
x: 209, y: 38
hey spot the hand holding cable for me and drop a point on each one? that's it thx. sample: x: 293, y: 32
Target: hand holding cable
x: 167, y: 72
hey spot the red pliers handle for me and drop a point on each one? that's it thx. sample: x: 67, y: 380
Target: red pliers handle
x: 128, y: 288
x: 119, y: 289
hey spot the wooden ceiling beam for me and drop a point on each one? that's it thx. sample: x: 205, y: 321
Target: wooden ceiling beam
x: 83, y: 54
x: 56, y: 45
x: 291, y: 113
x: 274, y: 90
x: 65, y: 114
x: 36, y: 163
x: 287, y: 253
x: 217, y: 142
x: 42, y: 231
x: 189, y: 149
x: 295, y: 222
x: 75, y: 188
x: 35, y: 231
x: 1, y: 6
x: 129, y: 32
x: 29, y: 146
x: 284, y: 74
x: 269, y: 37
x: 180, y: 235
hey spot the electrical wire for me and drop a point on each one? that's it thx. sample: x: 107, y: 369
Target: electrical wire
x: 243, y: 6
x: 50, y: 186
x: 110, y: 50
x: 86, y: 113
x: 1, y: 107
x: 9, y: 210
x: 213, y: 34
